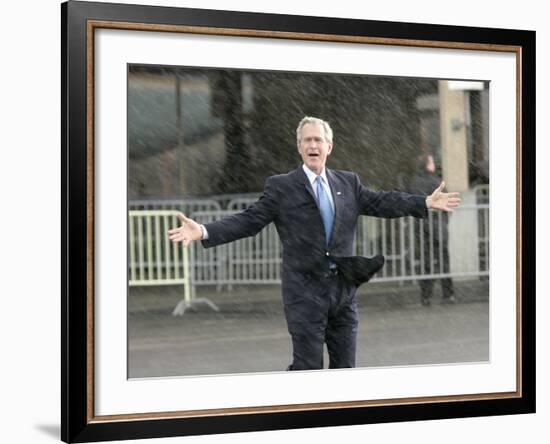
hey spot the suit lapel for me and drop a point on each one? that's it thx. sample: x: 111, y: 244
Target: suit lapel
x: 303, y: 181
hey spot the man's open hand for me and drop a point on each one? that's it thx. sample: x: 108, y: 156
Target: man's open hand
x: 439, y: 200
x: 187, y: 232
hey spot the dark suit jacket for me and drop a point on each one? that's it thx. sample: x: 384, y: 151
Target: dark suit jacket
x: 288, y: 200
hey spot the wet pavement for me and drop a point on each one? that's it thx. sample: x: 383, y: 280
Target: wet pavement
x: 249, y: 332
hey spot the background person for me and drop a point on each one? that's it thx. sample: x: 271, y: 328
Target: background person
x: 432, y: 236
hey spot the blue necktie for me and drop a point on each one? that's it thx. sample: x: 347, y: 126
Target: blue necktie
x: 324, y: 207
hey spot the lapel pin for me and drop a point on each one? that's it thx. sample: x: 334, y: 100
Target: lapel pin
x: 338, y: 193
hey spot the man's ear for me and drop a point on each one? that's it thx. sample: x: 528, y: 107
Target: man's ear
x: 329, y: 149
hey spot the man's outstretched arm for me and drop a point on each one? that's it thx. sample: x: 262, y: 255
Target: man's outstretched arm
x: 230, y: 228
x: 391, y: 204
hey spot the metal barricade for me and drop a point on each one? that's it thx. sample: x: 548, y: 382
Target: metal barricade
x: 186, y: 206
x: 154, y: 260
x: 441, y: 245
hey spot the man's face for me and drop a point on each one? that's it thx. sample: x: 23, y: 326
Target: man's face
x: 313, y: 147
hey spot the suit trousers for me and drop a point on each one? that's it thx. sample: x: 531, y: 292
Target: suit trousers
x: 334, y: 323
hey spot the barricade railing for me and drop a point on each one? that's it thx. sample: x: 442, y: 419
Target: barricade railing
x: 414, y: 248
x: 442, y: 245
x: 187, y: 206
x: 154, y: 259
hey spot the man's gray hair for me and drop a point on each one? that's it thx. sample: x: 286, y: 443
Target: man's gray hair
x: 327, y: 130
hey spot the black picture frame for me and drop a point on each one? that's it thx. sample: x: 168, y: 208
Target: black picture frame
x: 79, y: 19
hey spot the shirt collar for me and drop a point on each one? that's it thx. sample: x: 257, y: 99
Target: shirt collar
x: 312, y: 176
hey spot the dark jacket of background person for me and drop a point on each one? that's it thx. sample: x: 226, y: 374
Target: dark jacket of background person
x: 431, y: 236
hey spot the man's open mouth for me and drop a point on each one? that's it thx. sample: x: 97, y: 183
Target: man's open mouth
x: 313, y: 155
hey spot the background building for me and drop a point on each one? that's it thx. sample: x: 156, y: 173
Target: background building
x: 196, y: 132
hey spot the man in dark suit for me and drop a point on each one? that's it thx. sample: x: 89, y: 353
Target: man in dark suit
x: 315, y: 211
